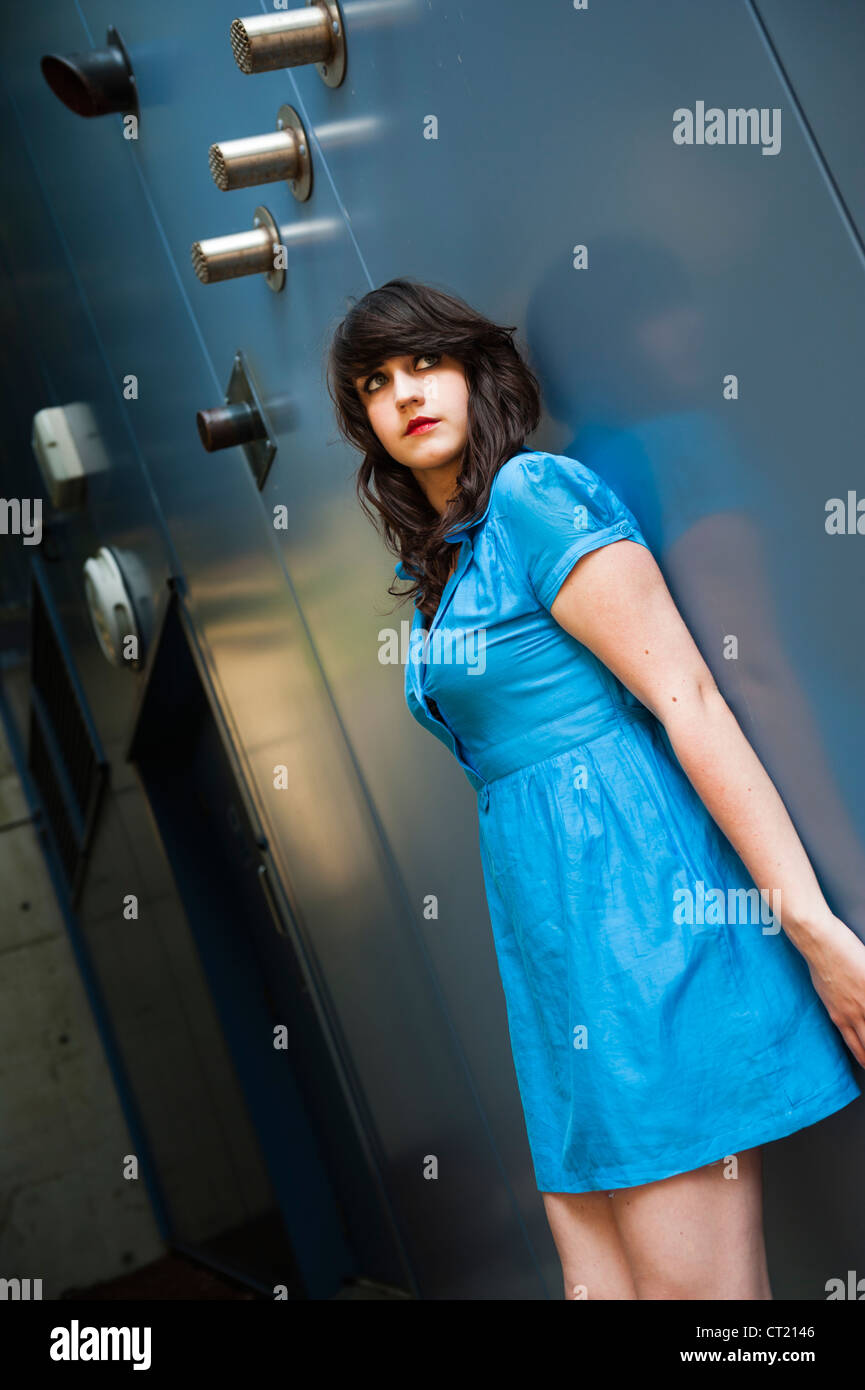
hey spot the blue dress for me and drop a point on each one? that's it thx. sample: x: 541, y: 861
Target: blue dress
x: 659, y: 1019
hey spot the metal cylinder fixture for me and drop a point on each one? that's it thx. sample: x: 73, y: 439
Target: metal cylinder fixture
x: 242, y: 420
x: 241, y: 253
x: 281, y: 154
x: 226, y: 426
x: 97, y: 83
x: 316, y: 34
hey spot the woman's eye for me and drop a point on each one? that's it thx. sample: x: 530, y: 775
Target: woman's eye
x: 424, y: 357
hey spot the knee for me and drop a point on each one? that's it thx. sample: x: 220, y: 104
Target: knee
x: 707, y: 1285
x: 670, y: 1289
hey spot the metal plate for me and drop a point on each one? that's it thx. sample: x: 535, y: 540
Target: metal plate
x: 287, y: 118
x: 259, y: 452
x: 264, y: 218
x: 333, y: 73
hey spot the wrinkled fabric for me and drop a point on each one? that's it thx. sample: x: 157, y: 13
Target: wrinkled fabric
x: 650, y: 1034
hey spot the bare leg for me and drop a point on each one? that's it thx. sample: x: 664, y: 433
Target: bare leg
x: 590, y: 1248
x: 698, y: 1234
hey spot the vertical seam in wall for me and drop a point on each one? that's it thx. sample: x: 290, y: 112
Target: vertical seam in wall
x: 810, y: 137
x: 321, y: 161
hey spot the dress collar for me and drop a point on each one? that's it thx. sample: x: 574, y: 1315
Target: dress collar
x: 459, y: 533
x: 456, y: 533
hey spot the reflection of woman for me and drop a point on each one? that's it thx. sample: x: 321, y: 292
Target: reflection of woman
x: 633, y: 358
x: 650, y: 1044
x: 709, y: 527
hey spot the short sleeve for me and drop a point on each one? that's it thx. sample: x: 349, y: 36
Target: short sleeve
x: 556, y: 510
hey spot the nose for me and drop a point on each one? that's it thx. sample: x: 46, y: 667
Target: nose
x: 406, y: 388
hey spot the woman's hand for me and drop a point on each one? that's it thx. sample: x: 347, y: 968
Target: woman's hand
x: 836, y: 963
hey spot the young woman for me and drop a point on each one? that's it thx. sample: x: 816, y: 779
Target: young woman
x: 666, y: 1018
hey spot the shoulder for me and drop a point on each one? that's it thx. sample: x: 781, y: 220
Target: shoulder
x: 550, y: 510
x: 538, y: 483
x: 533, y: 467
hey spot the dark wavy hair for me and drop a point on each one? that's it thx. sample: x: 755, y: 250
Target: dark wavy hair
x: 504, y: 405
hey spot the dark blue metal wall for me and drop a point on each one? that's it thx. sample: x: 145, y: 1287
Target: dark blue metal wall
x: 553, y: 130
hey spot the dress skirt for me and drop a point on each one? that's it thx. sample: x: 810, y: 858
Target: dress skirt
x: 658, y: 1021
x: 659, y: 1018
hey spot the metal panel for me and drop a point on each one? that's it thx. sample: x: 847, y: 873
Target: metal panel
x: 821, y: 50
x: 554, y: 129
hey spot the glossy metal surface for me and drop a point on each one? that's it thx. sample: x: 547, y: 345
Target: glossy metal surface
x: 280, y: 154
x: 463, y: 151
x: 293, y: 38
x: 241, y: 253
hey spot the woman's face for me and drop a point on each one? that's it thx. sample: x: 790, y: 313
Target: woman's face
x: 400, y: 390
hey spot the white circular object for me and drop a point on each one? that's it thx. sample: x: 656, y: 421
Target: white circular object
x: 110, y: 605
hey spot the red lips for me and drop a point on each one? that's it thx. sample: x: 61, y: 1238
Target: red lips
x: 418, y: 421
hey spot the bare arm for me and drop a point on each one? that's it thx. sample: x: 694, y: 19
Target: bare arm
x: 616, y: 602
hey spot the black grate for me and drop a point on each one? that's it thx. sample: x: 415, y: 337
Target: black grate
x: 62, y: 753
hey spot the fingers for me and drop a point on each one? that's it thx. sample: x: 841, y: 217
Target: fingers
x: 855, y: 1040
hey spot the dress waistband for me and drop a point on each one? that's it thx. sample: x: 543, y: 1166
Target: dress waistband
x: 573, y: 730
